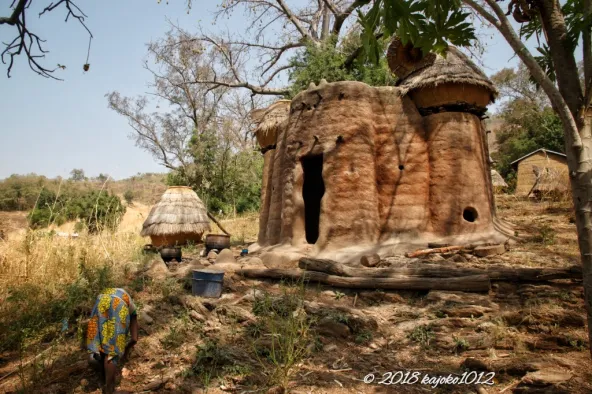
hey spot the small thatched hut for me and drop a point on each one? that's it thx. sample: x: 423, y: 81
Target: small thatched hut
x: 540, y: 172
x: 179, y: 217
x: 497, y: 181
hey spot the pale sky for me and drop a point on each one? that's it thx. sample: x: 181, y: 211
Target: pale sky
x: 50, y: 127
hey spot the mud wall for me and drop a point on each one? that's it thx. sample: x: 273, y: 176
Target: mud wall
x: 460, y: 198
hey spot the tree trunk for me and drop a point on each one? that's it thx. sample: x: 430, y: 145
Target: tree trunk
x: 579, y: 158
x: 476, y: 283
x: 495, y: 272
x: 578, y: 133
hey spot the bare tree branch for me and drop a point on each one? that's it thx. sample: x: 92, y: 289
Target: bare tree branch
x: 30, y: 43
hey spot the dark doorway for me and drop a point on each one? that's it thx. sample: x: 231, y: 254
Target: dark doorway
x: 312, y: 192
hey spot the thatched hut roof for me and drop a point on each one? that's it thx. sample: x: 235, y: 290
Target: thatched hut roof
x: 497, y: 180
x: 179, y: 211
x: 418, y: 72
x: 269, y: 120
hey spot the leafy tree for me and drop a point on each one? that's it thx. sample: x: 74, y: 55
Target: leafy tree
x: 128, y: 196
x: 102, y: 178
x: 77, y: 175
x: 333, y: 63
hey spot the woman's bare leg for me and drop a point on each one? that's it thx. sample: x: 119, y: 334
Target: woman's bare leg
x: 110, y: 372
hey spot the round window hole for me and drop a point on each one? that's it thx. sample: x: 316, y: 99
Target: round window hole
x: 401, y: 167
x: 470, y: 214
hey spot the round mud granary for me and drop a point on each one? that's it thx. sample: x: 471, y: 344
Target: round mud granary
x: 452, y: 93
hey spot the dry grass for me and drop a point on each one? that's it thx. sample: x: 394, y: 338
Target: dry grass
x: 243, y: 229
x: 41, y: 258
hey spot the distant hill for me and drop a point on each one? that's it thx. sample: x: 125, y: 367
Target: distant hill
x: 20, y: 192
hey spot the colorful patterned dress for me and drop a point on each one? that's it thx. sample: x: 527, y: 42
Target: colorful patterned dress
x: 108, y: 328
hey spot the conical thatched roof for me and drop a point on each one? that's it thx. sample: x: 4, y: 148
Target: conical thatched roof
x: 179, y: 211
x: 269, y: 120
x: 497, y: 180
x: 418, y: 72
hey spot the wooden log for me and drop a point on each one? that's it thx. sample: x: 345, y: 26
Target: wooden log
x: 425, y: 252
x: 495, y: 272
x: 370, y: 260
x: 475, y: 283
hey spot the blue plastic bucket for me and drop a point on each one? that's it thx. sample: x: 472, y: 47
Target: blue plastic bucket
x: 207, y: 283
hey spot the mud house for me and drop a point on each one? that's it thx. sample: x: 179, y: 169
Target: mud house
x: 541, y: 171
x: 350, y: 164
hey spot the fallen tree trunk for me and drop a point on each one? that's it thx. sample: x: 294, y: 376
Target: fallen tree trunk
x: 464, y: 283
x: 495, y: 272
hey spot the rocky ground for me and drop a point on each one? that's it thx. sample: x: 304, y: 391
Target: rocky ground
x: 260, y: 335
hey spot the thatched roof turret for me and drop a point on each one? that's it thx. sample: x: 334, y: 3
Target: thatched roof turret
x: 269, y: 121
x: 453, y: 79
x: 179, y: 211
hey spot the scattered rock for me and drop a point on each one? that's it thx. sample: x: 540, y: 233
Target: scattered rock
x: 239, y: 314
x: 158, y: 270
x: 145, y: 318
x: 473, y: 364
x: 195, y: 304
x: 329, y: 348
x: 370, y: 260
x: 484, y: 251
x: 467, y: 311
x: 332, y: 328
x: 281, y: 260
x: 328, y: 293
x: 225, y: 256
x: 252, y: 296
x: 253, y: 248
x: 229, y: 268
x: 212, y: 255
x: 546, y: 377
x: 252, y: 261
x: 196, y: 316
x: 458, y: 258
x: 459, y: 297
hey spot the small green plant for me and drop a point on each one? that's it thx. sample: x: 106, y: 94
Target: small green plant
x: 440, y: 314
x: 174, y: 338
x: 211, y: 360
x: 339, y: 295
x: 128, y: 196
x: 545, y: 235
x: 422, y: 334
x: 287, y: 334
x: 460, y: 344
x: 363, y: 337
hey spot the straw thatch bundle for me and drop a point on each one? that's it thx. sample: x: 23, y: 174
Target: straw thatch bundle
x: 404, y: 59
x: 435, y: 80
x: 549, y: 180
x: 456, y: 67
x: 178, y: 217
x: 497, y: 181
x: 270, y: 120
